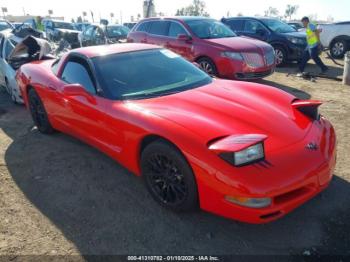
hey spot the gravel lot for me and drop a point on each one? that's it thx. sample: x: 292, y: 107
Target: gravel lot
x: 60, y: 196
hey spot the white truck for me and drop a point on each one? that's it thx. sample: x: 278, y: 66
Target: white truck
x: 336, y: 37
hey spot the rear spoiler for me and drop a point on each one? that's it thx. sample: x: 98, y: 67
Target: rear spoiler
x: 235, y: 143
x: 308, y: 107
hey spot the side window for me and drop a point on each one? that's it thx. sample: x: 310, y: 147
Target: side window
x: 235, y: 25
x: 252, y: 26
x: 159, y: 28
x: 176, y: 29
x: 9, y: 46
x: 143, y: 27
x: 89, y: 31
x: 76, y: 72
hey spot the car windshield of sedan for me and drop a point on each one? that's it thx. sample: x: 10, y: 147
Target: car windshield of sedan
x: 278, y: 26
x: 62, y: 25
x: 116, y: 31
x: 209, y: 29
x: 147, y: 73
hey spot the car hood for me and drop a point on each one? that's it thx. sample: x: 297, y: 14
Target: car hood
x: 226, y: 108
x: 240, y: 44
x: 29, y: 46
x: 296, y: 34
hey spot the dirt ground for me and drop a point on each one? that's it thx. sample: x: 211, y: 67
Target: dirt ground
x: 59, y: 196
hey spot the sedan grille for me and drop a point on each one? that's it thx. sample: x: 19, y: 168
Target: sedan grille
x: 253, y: 60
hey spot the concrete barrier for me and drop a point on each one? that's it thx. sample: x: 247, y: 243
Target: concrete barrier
x: 346, y: 75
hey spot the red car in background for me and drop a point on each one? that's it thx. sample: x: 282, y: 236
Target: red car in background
x: 210, y: 43
x: 238, y: 149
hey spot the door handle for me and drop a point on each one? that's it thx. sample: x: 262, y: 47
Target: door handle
x: 52, y: 88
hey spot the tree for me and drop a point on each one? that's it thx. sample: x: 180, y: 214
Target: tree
x: 79, y: 19
x: 73, y: 20
x: 239, y: 14
x: 272, y: 11
x: 290, y: 11
x: 197, y: 8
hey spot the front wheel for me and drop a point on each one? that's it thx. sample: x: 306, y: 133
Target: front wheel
x: 38, y: 113
x: 168, y: 176
x: 281, y: 56
x: 338, y: 48
x: 208, y: 66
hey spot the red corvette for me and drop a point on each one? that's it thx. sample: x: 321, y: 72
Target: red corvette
x: 241, y: 150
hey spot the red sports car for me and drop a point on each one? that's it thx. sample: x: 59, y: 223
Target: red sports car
x: 241, y: 150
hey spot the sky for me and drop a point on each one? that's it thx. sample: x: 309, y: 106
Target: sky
x: 338, y: 9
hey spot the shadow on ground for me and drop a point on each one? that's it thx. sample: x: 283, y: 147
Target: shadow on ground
x: 103, y: 209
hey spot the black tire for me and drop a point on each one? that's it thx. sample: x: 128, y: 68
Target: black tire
x: 208, y: 66
x: 168, y: 177
x: 38, y: 113
x: 338, y: 48
x: 281, y: 56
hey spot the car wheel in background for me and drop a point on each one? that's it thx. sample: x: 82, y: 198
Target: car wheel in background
x: 38, y: 112
x: 281, y: 55
x: 338, y: 48
x: 168, y: 176
x: 207, y: 66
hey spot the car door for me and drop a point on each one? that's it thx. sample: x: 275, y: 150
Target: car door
x: 182, y: 47
x: 255, y: 29
x: 86, y: 38
x: 158, y: 33
x: 98, y: 37
x: 82, y: 116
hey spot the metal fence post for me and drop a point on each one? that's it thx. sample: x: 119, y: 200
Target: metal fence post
x: 346, y: 75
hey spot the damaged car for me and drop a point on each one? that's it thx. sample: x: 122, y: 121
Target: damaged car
x: 103, y: 34
x: 60, y: 30
x: 18, y: 47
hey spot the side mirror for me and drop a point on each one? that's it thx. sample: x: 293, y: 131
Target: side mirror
x: 78, y: 90
x: 183, y: 37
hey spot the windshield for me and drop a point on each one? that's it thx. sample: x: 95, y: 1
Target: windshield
x: 278, y: 26
x: 63, y: 25
x: 210, y: 28
x: 4, y: 25
x: 146, y: 74
x: 117, y: 31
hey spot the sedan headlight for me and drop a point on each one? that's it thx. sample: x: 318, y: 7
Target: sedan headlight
x: 246, y: 156
x: 232, y: 55
x: 296, y: 40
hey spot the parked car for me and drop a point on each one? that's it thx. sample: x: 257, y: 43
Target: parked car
x: 289, y: 44
x: 336, y: 37
x: 228, y: 147
x: 210, y: 43
x: 57, y: 30
x: 81, y: 26
x: 100, y: 35
x: 130, y: 25
x: 4, y: 24
x: 15, y: 50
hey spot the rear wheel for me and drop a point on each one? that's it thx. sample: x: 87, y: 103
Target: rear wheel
x: 338, y: 48
x: 208, y: 66
x: 168, y: 176
x: 281, y: 55
x: 38, y: 113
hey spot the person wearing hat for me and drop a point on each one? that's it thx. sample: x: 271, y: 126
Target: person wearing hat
x: 313, y: 46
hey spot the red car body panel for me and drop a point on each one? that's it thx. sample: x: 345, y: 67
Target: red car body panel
x: 197, y: 48
x: 193, y: 120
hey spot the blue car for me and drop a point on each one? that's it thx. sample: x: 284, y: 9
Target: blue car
x: 289, y: 44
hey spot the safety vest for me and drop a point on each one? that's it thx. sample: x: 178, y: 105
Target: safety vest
x: 311, y: 37
x: 40, y: 26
